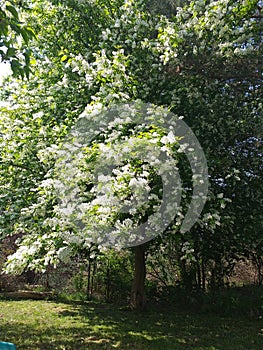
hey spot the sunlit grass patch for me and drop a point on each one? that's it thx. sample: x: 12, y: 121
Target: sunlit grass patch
x: 49, y: 325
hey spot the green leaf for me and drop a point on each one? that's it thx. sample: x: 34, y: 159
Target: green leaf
x: 16, y: 67
x: 63, y: 58
x: 24, y: 34
x: 27, y: 72
x: 3, y: 28
x: 11, y: 52
x: 30, y: 32
x: 27, y: 57
x: 12, y: 10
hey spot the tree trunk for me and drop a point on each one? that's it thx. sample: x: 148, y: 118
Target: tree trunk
x: 203, y: 276
x: 138, y: 296
x: 88, y: 278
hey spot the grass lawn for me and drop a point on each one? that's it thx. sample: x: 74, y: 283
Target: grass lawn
x: 49, y: 325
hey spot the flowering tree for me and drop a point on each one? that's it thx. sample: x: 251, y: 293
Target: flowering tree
x: 194, y: 62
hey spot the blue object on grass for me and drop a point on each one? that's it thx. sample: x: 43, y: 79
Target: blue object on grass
x: 7, y: 346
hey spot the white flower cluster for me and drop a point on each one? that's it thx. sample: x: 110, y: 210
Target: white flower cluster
x: 128, y: 174
x: 35, y: 252
x: 214, y: 25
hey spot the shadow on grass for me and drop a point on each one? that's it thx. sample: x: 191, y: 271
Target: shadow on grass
x: 48, y: 325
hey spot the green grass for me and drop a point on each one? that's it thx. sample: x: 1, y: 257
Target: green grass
x: 47, y: 325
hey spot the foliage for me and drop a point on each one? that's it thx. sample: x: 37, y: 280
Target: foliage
x: 243, y: 301
x: 113, y: 277
x: 14, y: 38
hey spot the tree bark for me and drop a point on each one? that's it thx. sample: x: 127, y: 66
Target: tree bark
x: 138, y: 295
x: 88, y: 279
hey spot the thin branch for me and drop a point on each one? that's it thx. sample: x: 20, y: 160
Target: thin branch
x: 20, y: 166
